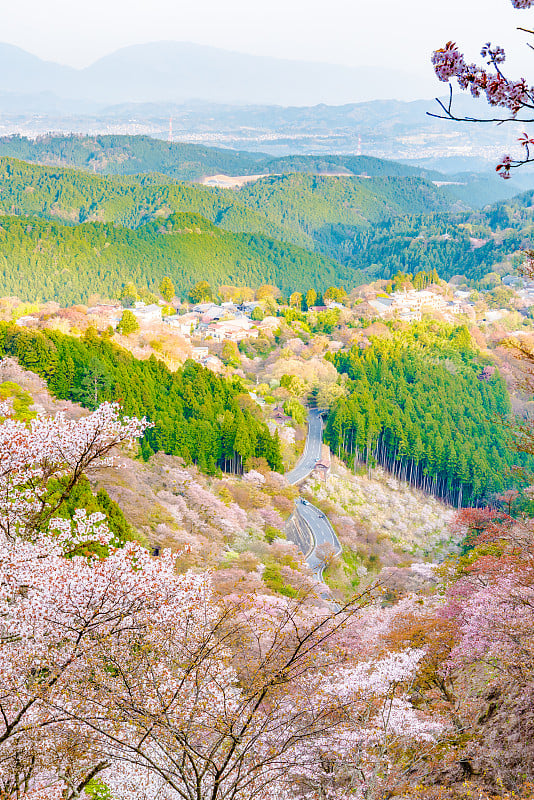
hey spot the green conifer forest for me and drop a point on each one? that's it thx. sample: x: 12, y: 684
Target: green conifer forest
x: 422, y: 405
x: 205, y: 419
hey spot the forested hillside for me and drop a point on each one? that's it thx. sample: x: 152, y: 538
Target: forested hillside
x: 41, y: 260
x: 291, y: 207
x: 314, y: 200
x: 422, y: 405
x: 128, y: 155
x: 463, y: 244
x: 205, y: 419
x: 372, y: 227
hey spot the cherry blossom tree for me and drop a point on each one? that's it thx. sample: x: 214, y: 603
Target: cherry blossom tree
x: 203, y: 506
x: 478, y: 664
x: 45, y: 622
x: 493, y: 599
x: 53, y: 449
x: 132, y: 672
x: 514, y: 98
x: 114, y: 666
x: 248, y: 700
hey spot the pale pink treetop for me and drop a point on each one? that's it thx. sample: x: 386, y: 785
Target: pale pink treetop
x: 32, y: 454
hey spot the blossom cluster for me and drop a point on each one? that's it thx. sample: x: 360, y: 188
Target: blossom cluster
x: 199, y: 509
x: 449, y: 63
x: 499, y: 91
x: 53, y: 448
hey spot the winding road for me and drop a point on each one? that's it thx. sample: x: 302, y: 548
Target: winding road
x: 312, y: 448
x: 325, y: 541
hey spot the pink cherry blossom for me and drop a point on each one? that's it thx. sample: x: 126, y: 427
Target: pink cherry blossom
x: 115, y: 665
x: 500, y: 91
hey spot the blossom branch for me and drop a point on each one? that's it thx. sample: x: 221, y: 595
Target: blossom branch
x: 500, y: 91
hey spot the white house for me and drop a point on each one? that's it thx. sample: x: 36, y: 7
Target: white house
x: 233, y: 329
x: 411, y: 305
x: 186, y: 324
x: 148, y: 315
x: 200, y: 353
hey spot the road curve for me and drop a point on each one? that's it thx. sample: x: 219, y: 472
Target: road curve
x: 326, y: 543
x: 323, y: 535
x: 312, y: 448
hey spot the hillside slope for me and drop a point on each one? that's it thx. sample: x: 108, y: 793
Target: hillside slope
x: 371, y: 226
x: 41, y: 260
x: 297, y: 208
x: 128, y: 155
x: 468, y: 244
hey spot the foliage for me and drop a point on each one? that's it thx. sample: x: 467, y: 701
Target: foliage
x: 295, y: 300
x: 369, y: 227
x: 311, y: 298
x: 464, y: 244
x: 272, y: 533
x: 20, y: 399
x: 335, y: 293
x: 295, y: 409
x: 230, y: 354
x: 123, y: 676
x: 129, y: 295
x: 257, y: 314
x: 478, y: 668
x: 196, y: 414
x: 418, y: 281
x: 272, y: 576
x: 201, y: 292
x: 166, y: 288
x: 326, y: 321
x: 420, y: 404
x: 298, y: 208
x: 296, y: 386
x: 82, y: 496
x: 128, y: 323
x: 40, y: 260
x: 147, y: 296
x: 129, y: 155
x: 54, y: 451
x: 267, y: 291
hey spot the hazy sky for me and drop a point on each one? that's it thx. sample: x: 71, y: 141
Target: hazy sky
x: 352, y: 32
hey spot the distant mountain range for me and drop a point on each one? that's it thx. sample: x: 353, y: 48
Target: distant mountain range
x: 181, y: 71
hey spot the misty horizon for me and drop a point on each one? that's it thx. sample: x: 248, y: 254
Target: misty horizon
x: 173, y: 71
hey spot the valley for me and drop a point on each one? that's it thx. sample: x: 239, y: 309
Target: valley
x: 277, y: 423
x: 293, y: 289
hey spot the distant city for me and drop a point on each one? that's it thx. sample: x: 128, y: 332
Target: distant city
x: 413, y: 138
